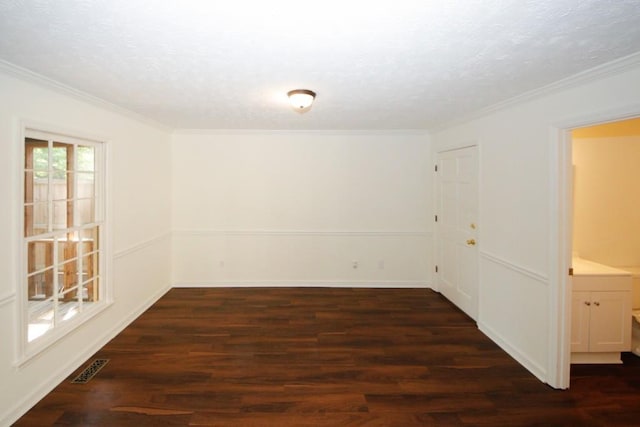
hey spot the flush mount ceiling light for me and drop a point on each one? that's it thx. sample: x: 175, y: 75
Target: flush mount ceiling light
x: 301, y: 99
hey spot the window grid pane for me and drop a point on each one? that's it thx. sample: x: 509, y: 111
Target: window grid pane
x: 40, y: 285
x: 40, y: 159
x: 61, y: 232
x: 86, y: 159
x: 41, y: 315
x: 40, y: 255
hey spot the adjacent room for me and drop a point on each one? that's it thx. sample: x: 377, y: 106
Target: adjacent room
x: 605, y: 248
x: 338, y: 213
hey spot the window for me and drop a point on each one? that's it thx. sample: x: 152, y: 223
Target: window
x: 63, y: 273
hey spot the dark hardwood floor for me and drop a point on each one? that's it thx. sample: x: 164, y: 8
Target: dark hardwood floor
x: 324, y: 357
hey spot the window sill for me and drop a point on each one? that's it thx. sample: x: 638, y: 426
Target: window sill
x: 40, y: 345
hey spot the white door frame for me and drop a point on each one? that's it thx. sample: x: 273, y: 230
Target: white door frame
x: 561, y: 232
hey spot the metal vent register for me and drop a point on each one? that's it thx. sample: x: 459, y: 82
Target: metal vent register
x: 90, y: 371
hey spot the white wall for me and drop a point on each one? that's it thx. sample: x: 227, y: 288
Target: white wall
x: 141, y: 221
x: 606, y: 226
x: 298, y: 208
x: 518, y: 144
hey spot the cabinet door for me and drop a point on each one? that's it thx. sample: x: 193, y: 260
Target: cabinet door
x: 610, y: 321
x: 580, y: 309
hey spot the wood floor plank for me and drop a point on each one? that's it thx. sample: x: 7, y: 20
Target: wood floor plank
x: 324, y: 357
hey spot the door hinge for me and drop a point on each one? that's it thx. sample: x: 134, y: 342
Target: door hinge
x: 436, y: 218
x: 436, y: 168
x: 571, y: 271
x: 436, y: 268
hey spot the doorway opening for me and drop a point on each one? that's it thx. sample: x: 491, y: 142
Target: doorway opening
x: 599, y: 207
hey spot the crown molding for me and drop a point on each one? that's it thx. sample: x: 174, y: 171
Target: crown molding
x: 29, y: 76
x: 611, y: 68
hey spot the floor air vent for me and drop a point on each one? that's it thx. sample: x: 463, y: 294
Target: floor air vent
x: 90, y: 371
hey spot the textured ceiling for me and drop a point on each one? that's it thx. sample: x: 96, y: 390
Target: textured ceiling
x: 374, y: 64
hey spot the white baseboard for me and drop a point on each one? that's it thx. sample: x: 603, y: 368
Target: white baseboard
x: 63, y: 372
x: 303, y: 284
x: 514, y: 352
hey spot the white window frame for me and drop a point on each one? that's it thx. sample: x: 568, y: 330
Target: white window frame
x: 27, y: 350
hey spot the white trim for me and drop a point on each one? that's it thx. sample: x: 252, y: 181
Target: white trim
x: 107, y: 210
x: 74, y: 362
x: 457, y: 146
x: 298, y: 233
x: 303, y: 284
x: 38, y: 130
x: 514, y: 352
x: 21, y: 312
x: 538, y: 277
x: 26, y: 351
x: 601, y: 71
x: 629, y: 111
x: 29, y: 76
x: 42, y: 344
x: 559, y: 354
x: 142, y: 245
x: 7, y: 299
x: 323, y: 132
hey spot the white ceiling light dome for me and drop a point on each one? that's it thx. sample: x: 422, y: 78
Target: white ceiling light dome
x: 301, y: 99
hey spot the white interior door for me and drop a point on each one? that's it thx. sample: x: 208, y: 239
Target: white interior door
x: 457, y: 227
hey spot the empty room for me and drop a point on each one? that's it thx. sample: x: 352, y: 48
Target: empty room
x: 333, y: 213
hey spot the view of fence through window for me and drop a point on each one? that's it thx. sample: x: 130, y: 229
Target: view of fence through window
x: 61, y: 231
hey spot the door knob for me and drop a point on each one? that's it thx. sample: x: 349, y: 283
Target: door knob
x: 471, y: 242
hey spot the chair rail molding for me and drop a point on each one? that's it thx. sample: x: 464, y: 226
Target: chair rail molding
x: 7, y: 299
x: 142, y: 245
x: 301, y: 233
x: 538, y: 277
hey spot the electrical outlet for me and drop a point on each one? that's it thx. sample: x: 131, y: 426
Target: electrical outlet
x: 354, y: 264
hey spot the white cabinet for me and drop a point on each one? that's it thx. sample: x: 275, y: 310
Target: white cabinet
x: 600, y: 318
x: 599, y: 322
